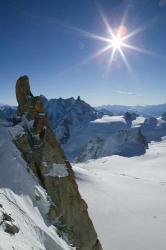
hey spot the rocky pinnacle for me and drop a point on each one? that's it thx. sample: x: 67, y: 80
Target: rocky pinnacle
x: 40, y: 149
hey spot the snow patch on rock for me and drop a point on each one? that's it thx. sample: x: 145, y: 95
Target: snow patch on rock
x: 58, y: 170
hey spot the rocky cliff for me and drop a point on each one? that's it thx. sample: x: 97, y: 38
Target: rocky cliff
x: 35, y: 139
x: 67, y: 115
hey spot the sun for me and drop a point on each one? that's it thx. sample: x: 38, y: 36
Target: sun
x: 116, y: 43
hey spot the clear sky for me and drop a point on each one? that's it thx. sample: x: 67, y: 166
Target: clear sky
x: 36, y: 40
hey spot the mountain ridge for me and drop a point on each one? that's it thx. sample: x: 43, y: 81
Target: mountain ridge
x: 149, y: 110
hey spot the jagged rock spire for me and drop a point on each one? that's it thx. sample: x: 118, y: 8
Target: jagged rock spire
x: 44, y: 155
x: 22, y: 89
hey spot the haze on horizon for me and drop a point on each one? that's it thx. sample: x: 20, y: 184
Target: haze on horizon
x: 36, y: 40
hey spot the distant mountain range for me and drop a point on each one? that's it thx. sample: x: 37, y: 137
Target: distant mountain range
x: 85, y: 132
x: 68, y: 114
x: 7, y: 112
x: 149, y: 110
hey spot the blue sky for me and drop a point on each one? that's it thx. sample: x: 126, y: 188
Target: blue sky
x: 36, y: 40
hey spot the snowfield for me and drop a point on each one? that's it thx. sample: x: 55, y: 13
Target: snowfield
x: 109, y: 119
x: 127, y: 198
x: 25, y: 200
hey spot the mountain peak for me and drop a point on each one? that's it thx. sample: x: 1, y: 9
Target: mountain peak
x: 67, y: 113
x: 22, y: 89
x: 44, y: 156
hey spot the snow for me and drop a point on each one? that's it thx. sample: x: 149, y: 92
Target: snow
x: 121, y: 142
x: 108, y: 119
x: 160, y: 121
x: 127, y: 198
x: 138, y: 122
x: 18, y: 191
x: 78, y: 127
x: 113, y: 135
x: 16, y: 131
x: 58, y: 170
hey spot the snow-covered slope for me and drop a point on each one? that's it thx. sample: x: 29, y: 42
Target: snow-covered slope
x: 125, y: 135
x: 110, y: 135
x: 149, y: 110
x: 25, y: 200
x: 127, y: 198
x: 127, y: 143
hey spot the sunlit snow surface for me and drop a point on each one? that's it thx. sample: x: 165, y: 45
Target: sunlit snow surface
x: 110, y: 119
x: 138, y: 121
x: 26, y: 201
x: 127, y: 198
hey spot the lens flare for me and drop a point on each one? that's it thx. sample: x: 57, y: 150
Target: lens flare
x: 116, y: 41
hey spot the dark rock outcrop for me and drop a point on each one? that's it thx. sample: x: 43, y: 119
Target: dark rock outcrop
x: 22, y: 90
x: 7, y: 222
x: 130, y: 116
x: 43, y: 154
x: 11, y: 228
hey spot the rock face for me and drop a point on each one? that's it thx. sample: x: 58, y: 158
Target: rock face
x: 22, y: 90
x: 154, y: 128
x: 43, y: 154
x: 67, y: 115
x: 164, y: 116
x: 126, y: 143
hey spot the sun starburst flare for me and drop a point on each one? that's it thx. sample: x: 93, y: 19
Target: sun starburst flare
x: 116, y: 41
